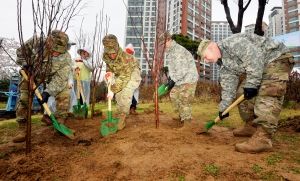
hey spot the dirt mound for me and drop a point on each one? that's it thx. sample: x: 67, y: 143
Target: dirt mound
x: 139, y: 152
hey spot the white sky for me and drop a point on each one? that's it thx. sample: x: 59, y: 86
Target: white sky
x: 116, y: 11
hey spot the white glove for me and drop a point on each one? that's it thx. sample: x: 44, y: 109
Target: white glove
x: 110, y: 95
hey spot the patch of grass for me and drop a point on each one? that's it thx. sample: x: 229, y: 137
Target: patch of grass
x: 295, y: 170
x: 295, y: 157
x: 2, y: 105
x: 212, y: 169
x: 178, y: 176
x: 292, y: 140
x: 3, y: 156
x: 83, y: 153
x: 275, y: 158
x: 9, y: 125
x: 270, y: 176
x: 289, y: 104
x: 288, y: 113
x: 257, y: 168
x: 3, y: 142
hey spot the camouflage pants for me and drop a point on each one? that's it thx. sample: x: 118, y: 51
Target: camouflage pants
x: 182, y: 97
x: 62, y: 103
x: 124, y: 97
x: 265, y: 108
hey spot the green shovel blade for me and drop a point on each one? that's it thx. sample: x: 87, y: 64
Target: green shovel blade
x: 109, y: 126
x: 80, y: 110
x: 162, y: 90
x: 61, y: 128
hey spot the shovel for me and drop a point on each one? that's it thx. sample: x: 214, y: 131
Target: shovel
x: 58, y: 126
x: 162, y: 90
x: 110, y: 125
x: 210, y: 124
x: 80, y: 110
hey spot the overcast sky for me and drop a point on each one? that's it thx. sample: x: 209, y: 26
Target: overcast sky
x: 115, y: 10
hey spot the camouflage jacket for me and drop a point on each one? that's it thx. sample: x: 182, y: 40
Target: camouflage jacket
x: 181, y: 64
x: 122, y: 67
x: 54, y: 70
x: 245, y: 54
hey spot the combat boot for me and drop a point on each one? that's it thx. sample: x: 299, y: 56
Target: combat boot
x: 259, y: 142
x: 21, y: 134
x: 121, y: 122
x: 248, y: 130
x: 132, y: 111
x: 46, y: 119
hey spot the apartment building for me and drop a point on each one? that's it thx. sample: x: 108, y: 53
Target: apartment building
x: 276, y: 22
x: 146, y: 19
x: 249, y: 29
x: 291, y: 10
x: 220, y: 30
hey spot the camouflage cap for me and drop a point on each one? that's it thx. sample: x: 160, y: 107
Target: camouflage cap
x: 202, y: 47
x: 110, y: 43
x: 59, y: 41
x: 164, y: 37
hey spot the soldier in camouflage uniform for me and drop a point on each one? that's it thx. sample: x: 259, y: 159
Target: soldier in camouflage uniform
x: 128, y: 76
x: 267, y: 64
x: 183, y: 76
x: 54, y: 70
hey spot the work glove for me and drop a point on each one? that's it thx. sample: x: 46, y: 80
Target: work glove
x: 249, y: 93
x: 108, y: 75
x: 170, y: 83
x: 77, y: 70
x: 110, y: 95
x: 71, y: 86
x: 45, y: 97
x: 78, y: 60
x: 224, y: 116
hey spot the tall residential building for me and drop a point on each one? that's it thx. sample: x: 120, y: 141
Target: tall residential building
x: 219, y: 31
x: 249, y: 29
x: 144, y: 19
x: 292, y: 16
x: 276, y: 22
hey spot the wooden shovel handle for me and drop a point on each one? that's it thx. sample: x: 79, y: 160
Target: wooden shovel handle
x: 37, y: 93
x: 108, y: 89
x: 236, y: 102
x: 79, y: 88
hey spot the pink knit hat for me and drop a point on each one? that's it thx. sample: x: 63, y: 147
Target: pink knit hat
x: 129, y: 48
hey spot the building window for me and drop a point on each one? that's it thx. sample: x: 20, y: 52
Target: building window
x: 294, y: 24
x: 293, y: 30
x: 293, y: 13
x: 293, y: 18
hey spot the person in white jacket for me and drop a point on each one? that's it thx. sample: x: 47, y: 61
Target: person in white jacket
x: 83, y: 65
x: 135, y: 98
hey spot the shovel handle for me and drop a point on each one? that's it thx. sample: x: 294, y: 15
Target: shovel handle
x: 236, y: 102
x: 81, y: 90
x: 108, y: 83
x: 78, y: 85
x: 37, y: 93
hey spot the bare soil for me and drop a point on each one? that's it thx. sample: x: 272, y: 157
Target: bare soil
x: 143, y: 152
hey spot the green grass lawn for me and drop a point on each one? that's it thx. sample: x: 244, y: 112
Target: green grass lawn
x: 204, y: 111
x: 2, y: 105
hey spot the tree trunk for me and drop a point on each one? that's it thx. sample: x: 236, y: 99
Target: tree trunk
x: 260, y: 14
